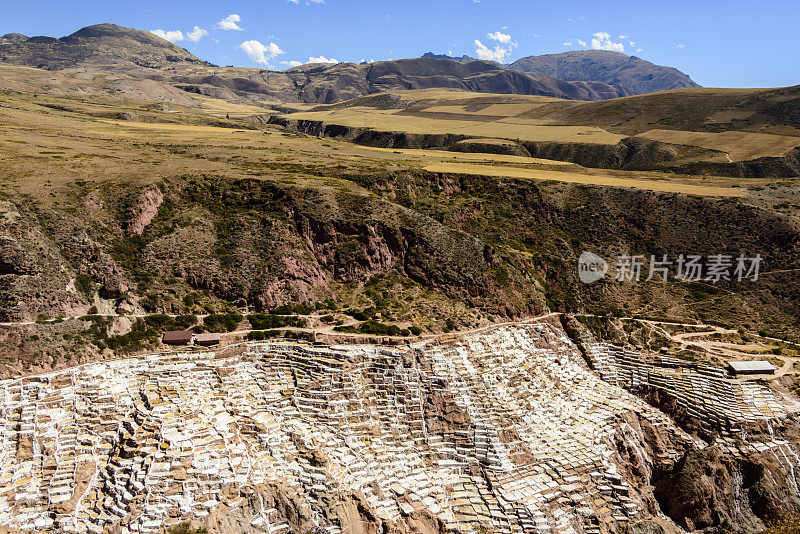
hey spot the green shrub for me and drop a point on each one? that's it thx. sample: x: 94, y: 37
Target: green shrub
x: 303, y: 308
x: 182, y: 322
x: 370, y: 327
x: 159, y: 320
x: 259, y: 335
x: 262, y: 321
x: 141, y: 336
x: 285, y: 309
x: 223, y: 322
x: 376, y: 328
x: 415, y: 330
x: 85, y: 285
x: 306, y: 336
x: 359, y: 315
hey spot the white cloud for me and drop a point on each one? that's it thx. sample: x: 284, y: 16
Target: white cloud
x: 172, y: 36
x: 602, y: 41
x: 312, y: 59
x: 578, y: 42
x: 196, y: 34
x: 498, y: 53
x: 504, y: 38
x: 230, y: 23
x: 322, y: 59
x: 680, y: 46
x: 259, y: 53
x: 623, y: 37
x: 634, y: 46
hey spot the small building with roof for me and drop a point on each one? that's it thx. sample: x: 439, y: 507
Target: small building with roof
x: 751, y: 367
x: 177, y: 337
x: 207, y: 339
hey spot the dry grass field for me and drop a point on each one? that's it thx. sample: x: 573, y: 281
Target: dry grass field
x: 47, y: 141
x: 610, y: 180
x: 740, y: 146
x: 748, y: 116
x: 393, y: 121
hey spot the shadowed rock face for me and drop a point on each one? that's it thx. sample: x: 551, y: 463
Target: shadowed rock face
x: 347, y: 80
x: 630, y: 72
x: 707, y: 489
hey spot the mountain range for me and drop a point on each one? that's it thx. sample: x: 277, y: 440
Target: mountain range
x: 634, y: 74
x: 587, y: 75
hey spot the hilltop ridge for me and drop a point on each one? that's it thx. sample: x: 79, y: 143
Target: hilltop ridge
x: 100, y: 44
x: 139, y: 53
x: 635, y: 75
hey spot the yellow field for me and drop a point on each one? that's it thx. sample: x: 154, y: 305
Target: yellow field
x: 682, y: 114
x: 389, y: 120
x: 188, y: 128
x: 740, y: 146
x: 49, y: 146
x: 589, y: 179
x: 506, y: 110
x: 445, y: 95
x: 220, y: 108
x: 443, y: 155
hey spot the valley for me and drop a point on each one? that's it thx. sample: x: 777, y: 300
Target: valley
x: 384, y: 259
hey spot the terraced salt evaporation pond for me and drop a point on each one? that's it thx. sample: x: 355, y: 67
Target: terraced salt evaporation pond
x: 506, y: 429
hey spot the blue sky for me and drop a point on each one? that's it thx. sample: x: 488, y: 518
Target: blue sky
x: 721, y: 44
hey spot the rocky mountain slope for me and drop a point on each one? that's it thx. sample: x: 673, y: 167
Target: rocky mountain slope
x: 141, y: 54
x: 634, y: 74
x: 101, y: 44
x: 345, y: 81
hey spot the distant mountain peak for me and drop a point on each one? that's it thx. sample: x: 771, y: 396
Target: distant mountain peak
x: 614, y: 68
x: 96, y: 44
x: 12, y: 38
x: 463, y: 59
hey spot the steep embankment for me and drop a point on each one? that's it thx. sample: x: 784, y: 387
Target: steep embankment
x: 504, y: 246
x: 631, y: 153
x: 250, y: 241
x: 541, y: 229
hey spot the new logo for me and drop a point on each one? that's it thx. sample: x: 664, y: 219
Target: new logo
x: 591, y: 267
